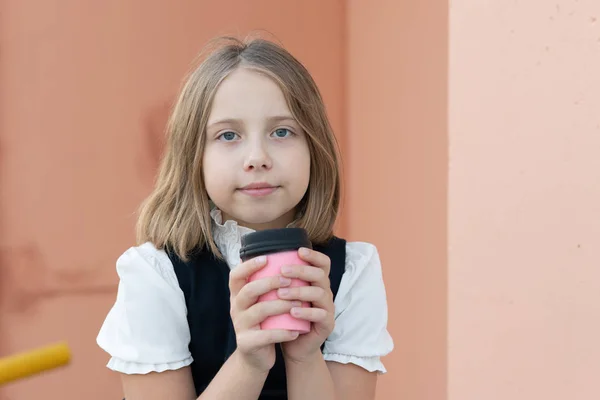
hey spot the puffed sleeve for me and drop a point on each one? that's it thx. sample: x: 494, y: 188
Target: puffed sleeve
x: 146, y: 330
x: 360, y: 335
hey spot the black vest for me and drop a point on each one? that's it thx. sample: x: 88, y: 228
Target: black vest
x: 204, y: 280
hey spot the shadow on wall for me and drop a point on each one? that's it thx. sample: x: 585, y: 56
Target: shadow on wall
x: 26, y: 280
x: 153, y: 142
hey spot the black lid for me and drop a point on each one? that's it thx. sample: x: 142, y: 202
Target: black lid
x: 273, y: 240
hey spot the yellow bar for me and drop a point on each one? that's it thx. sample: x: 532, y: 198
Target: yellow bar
x: 33, y: 362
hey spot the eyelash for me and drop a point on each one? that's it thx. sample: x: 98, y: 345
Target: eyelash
x: 220, y: 136
x: 291, y: 133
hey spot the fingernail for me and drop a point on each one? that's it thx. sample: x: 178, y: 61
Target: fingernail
x: 260, y: 260
x: 283, y: 292
x: 284, y: 281
x: 286, y: 269
x: 304, y: 251
x: 296, y: 303
x: 295, y: 311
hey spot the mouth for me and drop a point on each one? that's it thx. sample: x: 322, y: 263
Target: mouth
x: 258, y: 189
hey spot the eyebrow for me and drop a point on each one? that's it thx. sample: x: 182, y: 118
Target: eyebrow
x: 273, y: 119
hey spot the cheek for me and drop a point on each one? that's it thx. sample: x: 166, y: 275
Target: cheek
x: 207, y: 166
x: 303, y: 167
x: 306, y: 169
x: 213, y: 173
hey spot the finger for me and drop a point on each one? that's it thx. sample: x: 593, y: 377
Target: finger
x: 255, y: 339
x: 312, y: 314
x: 315, y: 258
x: 307, y: 273
x: 239, y: 275
x: 251, y: 291
x: 311, y: 294
x: 260, y: 311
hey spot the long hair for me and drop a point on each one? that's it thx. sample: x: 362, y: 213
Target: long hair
x: 176, y: 215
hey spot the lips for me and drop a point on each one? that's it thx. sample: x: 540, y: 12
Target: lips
x: 258, y: 189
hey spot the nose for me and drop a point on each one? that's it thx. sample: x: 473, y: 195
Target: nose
x: 257, y: 157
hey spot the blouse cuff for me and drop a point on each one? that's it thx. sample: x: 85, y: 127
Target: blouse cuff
x: 130, y: 367
x: 371, y: 364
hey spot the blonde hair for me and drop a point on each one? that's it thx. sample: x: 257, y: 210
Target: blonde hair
x: 176, y: 215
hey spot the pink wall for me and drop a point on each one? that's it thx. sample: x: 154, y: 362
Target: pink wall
x: 524, y: 200
x: 84, y: 91
x: 397, y: 177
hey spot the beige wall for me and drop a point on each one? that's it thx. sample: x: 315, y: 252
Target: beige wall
x: 84, y: 91
x: 524, y: 200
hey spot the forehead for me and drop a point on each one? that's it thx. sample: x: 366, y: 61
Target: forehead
x: 247, y: 94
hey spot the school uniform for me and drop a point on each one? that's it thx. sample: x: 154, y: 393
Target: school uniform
x: 170, y: 314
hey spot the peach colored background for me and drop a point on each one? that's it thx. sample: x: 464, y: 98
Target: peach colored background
x: 524, y: 200
x: 397, y: 175
x: 470, y: 135
x: 85, y: 88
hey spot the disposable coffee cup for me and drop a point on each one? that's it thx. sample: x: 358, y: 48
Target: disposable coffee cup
x: 280, y: 246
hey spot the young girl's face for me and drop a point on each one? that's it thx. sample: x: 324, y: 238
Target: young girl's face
x: 256, y: 162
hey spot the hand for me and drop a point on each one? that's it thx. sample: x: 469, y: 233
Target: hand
x: 255, y: 346
x: 321, y: 314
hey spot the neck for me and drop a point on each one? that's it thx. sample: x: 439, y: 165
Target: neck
x: 281, y: 222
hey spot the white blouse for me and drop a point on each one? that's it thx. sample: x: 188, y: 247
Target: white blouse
x: 147, y: 331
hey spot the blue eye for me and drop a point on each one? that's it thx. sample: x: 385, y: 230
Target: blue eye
x: 282, y: 133
x: 228, y: 136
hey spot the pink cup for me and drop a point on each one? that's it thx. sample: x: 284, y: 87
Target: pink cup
x: 273, y: 268
x: 280, y: 246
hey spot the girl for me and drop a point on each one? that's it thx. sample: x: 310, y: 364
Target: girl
x: 249, y: 148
